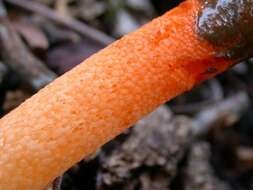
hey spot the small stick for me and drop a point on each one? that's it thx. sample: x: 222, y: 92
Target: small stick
x: 67, y: 21
x: 225, y: 112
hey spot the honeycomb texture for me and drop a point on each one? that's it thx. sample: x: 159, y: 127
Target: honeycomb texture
x: 88, y: 106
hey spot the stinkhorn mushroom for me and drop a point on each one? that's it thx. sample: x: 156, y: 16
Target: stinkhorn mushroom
x: 90, y: 105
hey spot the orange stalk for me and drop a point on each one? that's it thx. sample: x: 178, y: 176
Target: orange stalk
x: 90, y: 105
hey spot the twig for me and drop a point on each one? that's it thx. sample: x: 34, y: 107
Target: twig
x: 67, y: 21
x: 14, y: 53
x: 225, y: 112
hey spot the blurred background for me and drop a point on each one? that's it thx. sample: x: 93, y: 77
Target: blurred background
x: 202, y: 140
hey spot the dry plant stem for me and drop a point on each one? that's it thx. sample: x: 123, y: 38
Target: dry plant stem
x: 223, y: 113
x: 15, y: 54
x: 67, y: 21
x: 90, y: 105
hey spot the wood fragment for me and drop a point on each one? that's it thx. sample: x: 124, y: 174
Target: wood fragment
x: 67, y: 21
